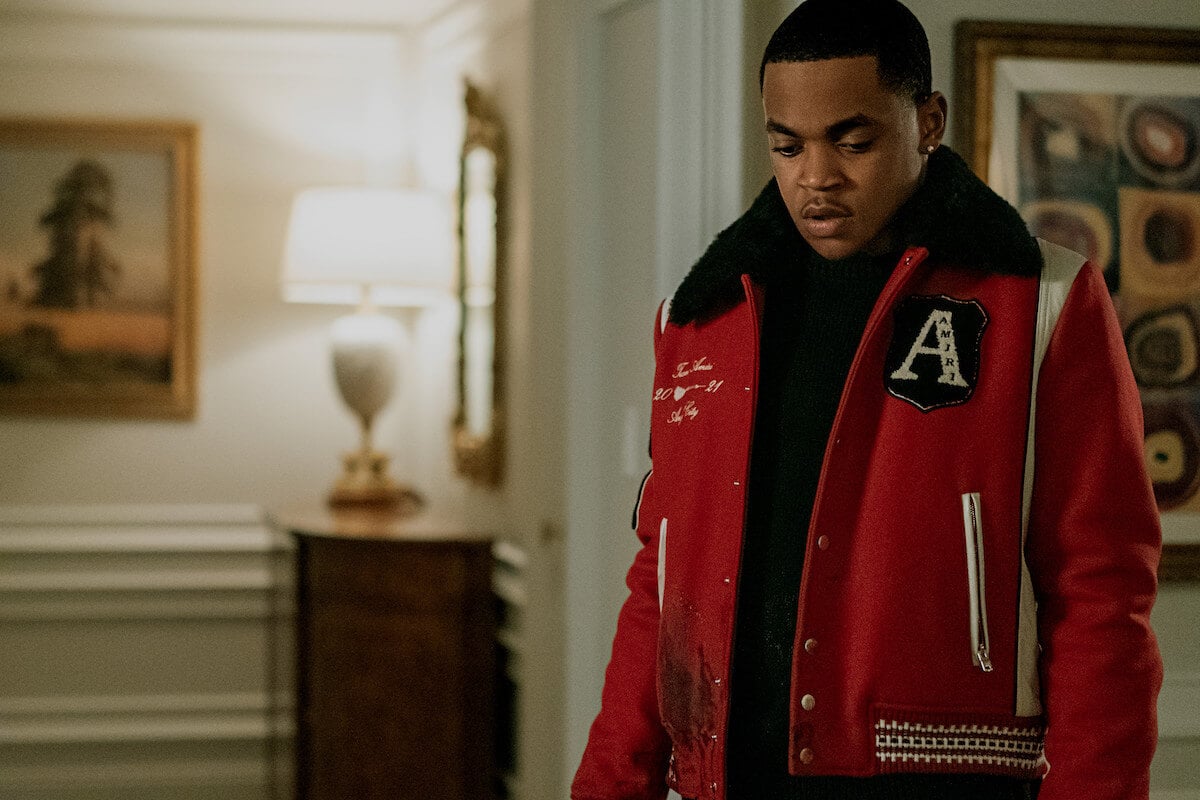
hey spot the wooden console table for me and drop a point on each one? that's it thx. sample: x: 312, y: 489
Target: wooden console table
x: 395, y: 641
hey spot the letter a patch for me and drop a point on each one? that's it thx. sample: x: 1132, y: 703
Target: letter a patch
x: 933, y: 360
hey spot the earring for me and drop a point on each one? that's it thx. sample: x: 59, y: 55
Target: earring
x: 930, y: 148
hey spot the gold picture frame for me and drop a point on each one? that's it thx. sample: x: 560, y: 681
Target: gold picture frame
x: 98, y: 268
x: 1093, y: 133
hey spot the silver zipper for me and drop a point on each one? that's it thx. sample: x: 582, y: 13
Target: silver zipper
x: 973, y: 527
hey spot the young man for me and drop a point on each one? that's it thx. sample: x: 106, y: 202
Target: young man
x: 898, y: 540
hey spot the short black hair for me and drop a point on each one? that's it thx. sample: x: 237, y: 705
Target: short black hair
x: 819, y: 30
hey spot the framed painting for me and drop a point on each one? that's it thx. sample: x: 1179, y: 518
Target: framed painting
x: 97, y: 268
x: 1093, y: 133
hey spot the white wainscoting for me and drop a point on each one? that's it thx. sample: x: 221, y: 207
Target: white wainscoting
x: 140, y: 653
x: 145, y: 652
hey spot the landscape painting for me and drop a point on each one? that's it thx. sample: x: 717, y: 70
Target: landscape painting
x: 97, y: 272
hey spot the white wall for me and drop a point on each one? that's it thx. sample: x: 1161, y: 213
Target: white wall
x: 490, y: 43
x: 278, y: 110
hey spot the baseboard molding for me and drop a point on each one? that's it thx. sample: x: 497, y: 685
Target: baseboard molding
x: 141, y: 778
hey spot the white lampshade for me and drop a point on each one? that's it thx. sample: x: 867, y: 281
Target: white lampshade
x: 396, y: 244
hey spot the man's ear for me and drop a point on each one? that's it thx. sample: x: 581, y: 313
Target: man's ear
x: 931, y: 121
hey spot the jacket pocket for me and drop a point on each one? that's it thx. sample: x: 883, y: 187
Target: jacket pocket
x: 976, y: 582
x: 662, y: 561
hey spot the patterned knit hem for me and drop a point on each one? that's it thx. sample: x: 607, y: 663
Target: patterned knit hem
x: 920, y: 740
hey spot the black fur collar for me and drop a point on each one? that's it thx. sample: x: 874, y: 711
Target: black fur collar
x: 953, y: 214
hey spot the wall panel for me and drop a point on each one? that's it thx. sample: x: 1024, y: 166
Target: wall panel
x: 142, y: 652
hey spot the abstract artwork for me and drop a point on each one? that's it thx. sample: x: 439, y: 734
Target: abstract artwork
x: 1094, y: 135
x: 1117, y: 178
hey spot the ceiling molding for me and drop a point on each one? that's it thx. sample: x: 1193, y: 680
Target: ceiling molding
x: 463, y: 19
x: 173, y: 46
x: 344, y: 14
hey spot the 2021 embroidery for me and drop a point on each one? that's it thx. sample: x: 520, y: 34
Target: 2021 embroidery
x: 678, y: 392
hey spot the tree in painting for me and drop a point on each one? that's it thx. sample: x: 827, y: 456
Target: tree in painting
x: 80, y: 268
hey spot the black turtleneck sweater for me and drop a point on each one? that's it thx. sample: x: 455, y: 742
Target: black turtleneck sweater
x: 815, y: 314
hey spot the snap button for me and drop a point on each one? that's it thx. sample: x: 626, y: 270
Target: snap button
x: 717, y: 681
x: 810, y: 646
x: 807, y: 756
x: 823, y: 542
x: 808, y: 702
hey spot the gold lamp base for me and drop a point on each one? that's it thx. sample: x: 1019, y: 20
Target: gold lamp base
x: 364, y: 482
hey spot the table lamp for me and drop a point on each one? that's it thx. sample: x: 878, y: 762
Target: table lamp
x: 370, y: 248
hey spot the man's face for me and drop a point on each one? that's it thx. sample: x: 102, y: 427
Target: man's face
x: 847, y: 151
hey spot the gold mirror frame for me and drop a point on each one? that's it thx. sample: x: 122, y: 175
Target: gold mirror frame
x: 479, y: 419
